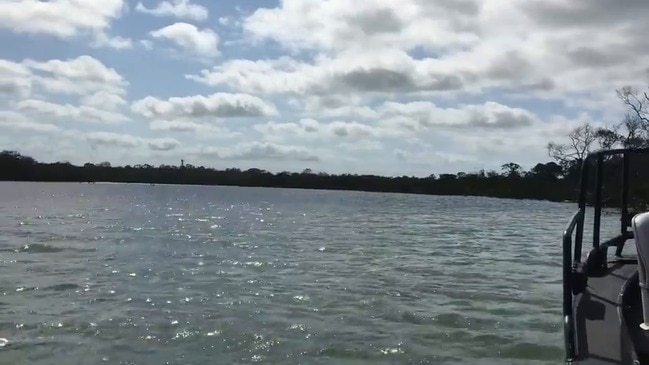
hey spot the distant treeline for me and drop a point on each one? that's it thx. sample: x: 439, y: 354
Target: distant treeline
x: 555, y: 181
x: 546, y: 181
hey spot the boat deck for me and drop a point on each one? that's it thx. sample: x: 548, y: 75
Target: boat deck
x: 599, y: 316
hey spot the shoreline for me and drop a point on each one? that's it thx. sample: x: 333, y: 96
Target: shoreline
x: 332, y: 189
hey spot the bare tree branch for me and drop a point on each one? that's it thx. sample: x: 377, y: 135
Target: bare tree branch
x: 638, y: 104
x: 581, y: 141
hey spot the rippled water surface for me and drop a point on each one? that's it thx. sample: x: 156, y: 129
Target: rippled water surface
x: 139, y: 274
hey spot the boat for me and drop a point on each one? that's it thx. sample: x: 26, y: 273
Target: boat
x: 603, y: 318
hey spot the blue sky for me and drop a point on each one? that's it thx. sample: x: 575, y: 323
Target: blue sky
x: 393, y: 87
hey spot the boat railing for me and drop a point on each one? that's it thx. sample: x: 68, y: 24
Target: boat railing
x: 568, y: 322
x: 574, y: 276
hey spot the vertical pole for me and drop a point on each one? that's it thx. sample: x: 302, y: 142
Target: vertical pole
x: 598, y: 200
x: 568, y: 331
x: 625, y: 193
x: 624, y: 230
x: 583, y: 186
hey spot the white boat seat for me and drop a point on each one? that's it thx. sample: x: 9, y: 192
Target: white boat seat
x: 640, y: 225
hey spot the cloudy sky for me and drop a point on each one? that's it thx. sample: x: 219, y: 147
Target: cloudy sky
x: 380, y: 86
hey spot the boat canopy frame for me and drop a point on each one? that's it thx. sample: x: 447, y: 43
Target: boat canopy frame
x: 574, y: 271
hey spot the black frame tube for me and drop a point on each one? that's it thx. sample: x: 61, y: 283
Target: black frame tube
x: 625, y: 193
x: 597, y: 219
x: 568, y: 322
x: 583, y: 185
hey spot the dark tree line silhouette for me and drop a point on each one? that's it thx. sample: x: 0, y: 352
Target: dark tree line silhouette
x: 557, y: 180
x: 544, y: 181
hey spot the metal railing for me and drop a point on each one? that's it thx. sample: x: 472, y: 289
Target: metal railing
x: 572, y: 255
x: 568, y: 321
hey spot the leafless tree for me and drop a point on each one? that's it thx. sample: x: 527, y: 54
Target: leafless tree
x: 638, y: 104
x: 632, y: 132
x: 581, y: 142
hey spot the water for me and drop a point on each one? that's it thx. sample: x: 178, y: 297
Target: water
x: 138, y: 274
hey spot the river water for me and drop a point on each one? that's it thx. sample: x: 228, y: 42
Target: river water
x: 139, y: 274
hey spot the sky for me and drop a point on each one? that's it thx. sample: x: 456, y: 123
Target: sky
x: 390, y: 87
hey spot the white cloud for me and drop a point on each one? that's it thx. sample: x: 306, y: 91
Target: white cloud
x: 116, y: 42
x: 377, y: 72
x: 128, y: 141
x: 15, y: 79
x: 331, y: 106
x: 113, y: 139
x: 310, y: 129
x: 410, y: 120
x: 384, y: 85
x: 19, y: 122
x: 423, y: 115
x: 201, y: 130
x: 81, y: 113
x: 219, y: 105
x: 81, y: 68
x: 80, y: 75
x: 176, y: 8
x: 103, y: 100
x: 163, y: 144
x: 374, y: 146
x: 200, y: 42
x: 61, y: 18
x: 537, y: 49
x: 335, y: 25
x: 260, y: 151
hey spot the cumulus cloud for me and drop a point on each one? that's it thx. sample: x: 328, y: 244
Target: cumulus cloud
x: 310, y: 129
x: 176, y: 8
x: 201, y: 130
x: 103, y: 40
x: 383, y: 80
x: 103, y: 100
x: 406, y: 121
x: 15, y: 79
x: 61, y: 18
x: 81, y: 75
x: 163, y: 144
x: 259, y: 151
x: 129, y: 141
x: 65, y: 19
x: 19, y: 122
x: 82, y: 68
x: 200, y: 42
x: 548, y: 49
x: 218, y: 105
x: 113, y: 139
x: 81, y: 113
x: 334, y: 25
x: 580, y: 15
x: 379, y: 71
x: 335, y: 106
x: 422, y: 115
